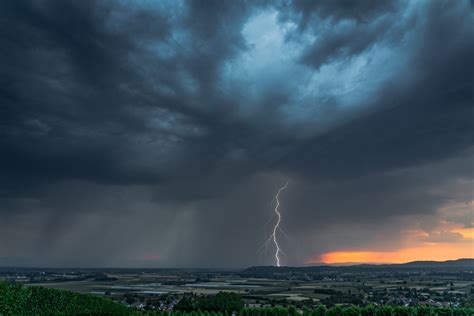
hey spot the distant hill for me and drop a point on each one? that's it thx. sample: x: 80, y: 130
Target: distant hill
x: 465, y: 264
x: 459, y: 263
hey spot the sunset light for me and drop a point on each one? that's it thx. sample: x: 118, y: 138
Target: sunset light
x: 436, y: 252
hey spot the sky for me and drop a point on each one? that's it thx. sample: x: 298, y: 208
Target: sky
x: 157, y: 133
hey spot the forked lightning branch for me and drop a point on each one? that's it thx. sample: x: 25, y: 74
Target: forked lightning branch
x: 273, y: 236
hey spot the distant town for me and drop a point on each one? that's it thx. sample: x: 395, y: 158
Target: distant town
x: 447, y: 284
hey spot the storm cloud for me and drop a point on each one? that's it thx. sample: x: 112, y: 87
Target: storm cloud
x: 156, y: 133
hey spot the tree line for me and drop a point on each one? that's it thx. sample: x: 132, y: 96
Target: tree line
x: 333, y: 311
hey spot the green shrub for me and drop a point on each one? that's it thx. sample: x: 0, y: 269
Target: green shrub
x: 16, y: 299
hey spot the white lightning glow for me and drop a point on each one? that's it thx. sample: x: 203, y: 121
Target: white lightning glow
x: 273, y: 236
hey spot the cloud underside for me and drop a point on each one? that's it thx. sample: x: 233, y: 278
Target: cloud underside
x: 157, y: 133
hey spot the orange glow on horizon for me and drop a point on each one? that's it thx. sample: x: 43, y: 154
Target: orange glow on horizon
x: 435, y: 252
x: 465, y: 232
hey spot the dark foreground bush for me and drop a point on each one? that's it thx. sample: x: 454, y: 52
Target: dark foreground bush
x: 334, y: 311
x: 361, y: 311
x: 16, y: 299
x: 225, y: 302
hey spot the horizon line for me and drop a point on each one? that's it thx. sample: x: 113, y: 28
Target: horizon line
x: 343, y: 264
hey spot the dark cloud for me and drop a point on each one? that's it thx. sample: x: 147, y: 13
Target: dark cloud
x: 443, y: 236
x: 409, y: 124
x: 362, y: 11
x: 160, y: 131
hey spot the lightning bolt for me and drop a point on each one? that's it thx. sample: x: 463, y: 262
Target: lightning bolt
x: 273, y: 236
